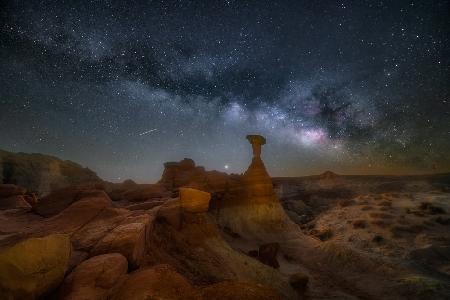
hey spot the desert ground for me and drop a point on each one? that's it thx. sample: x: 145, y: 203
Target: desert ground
x: 197, y: 234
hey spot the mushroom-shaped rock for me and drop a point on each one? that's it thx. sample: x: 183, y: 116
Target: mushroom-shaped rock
x: 159, y: 282
x: 257, y: 141
x: 194, y: 201
x: 93, y: 278
x: 33, y: 266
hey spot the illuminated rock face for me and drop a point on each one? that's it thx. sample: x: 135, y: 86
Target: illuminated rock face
x: 252, y: 207
x: 33, y: 266
x: 194, y: 201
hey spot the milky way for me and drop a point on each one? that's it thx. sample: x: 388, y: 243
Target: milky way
x: 357, y: 87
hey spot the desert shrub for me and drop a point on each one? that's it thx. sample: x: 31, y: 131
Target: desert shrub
x: 378, y: 239
x: 359, y: 224
x: 380, y: 215
x: 367, y: 207
x: 381, y: 223
x: 422, y: 284
x: 400, y: 230
x: 346, y: 202
x: 442, y: 221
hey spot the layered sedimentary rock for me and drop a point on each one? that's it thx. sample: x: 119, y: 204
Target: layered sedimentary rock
x: 42, y: 173
x: 251, y: 206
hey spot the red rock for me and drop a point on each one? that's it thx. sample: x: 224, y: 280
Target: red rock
x: 7, y: 190
x: 76, y: 215
x: 299, y: 281
x: 57, y: 201
x: 159, y: 282
x: 93, y: 278
x: 129, y: 239
x: 89, y: 235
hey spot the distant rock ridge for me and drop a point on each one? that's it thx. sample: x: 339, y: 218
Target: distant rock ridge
x: 41, y: 173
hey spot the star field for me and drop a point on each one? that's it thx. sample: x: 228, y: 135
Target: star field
x: 357, y: 87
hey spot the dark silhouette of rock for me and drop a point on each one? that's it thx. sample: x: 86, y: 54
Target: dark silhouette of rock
x: 186, y: 174
x: 145, y: 192
x: 40, y: 173
x: 299, y: 281
x: 267, y: 254
x: 58, y: 200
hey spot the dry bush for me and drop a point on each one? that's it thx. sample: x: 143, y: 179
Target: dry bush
x: 380, y: 215
x: 367, y: 207
x: 359, y: 224
x: 386, y: 203
x: 381, y: 223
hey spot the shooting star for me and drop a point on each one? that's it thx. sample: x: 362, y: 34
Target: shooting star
x: 147, y: 132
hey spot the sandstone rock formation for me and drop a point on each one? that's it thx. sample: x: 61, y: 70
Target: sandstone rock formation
x: 129, y: 239
x: 34, y: 266
x: 159, y: 282
x: 251, y: 206
x: 42, y: 173
x: 13, y: 197
x: 93, y: 278
x: 194, y: 201
x: 60, y: 199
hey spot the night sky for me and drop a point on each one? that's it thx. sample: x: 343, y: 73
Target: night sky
x: 356, y: 87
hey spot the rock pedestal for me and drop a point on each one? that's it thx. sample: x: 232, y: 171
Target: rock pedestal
x: 252, y: 207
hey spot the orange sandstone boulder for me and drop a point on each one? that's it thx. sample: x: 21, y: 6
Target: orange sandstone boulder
x: 159, y: 282
x: 194, y: 201
x: 129, y: 239
x: 33, y: 267
x: 93, y: 278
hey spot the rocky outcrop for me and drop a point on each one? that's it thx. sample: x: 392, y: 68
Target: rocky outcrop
x: 194, y: 201
x: 251, y: 207
x: 59, y: 200
x: 93, y: 278
x: 159, y: 282
x: 76, y: 215
x: 186, y: 174
x: 40, y: 173
x: 34, y: 266
x: 129, y: 239
x: 231, y: 290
